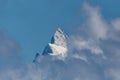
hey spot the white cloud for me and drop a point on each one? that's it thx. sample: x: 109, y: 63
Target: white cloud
x: 116, y: 24
x: 113, y: 74
x: 24, y: 73
x: 82, y: 44
x: 97, y: 27
x: 96, y: 24
x: 77, y: 56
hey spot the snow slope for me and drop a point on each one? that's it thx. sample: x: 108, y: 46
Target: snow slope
x: 58, y: 45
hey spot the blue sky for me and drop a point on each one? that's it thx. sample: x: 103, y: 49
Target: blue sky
x: 32, y: 22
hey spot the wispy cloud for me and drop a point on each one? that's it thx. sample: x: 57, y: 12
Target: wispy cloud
x: 9, y: 50
x: 95, y: 22
x: 116, y: 24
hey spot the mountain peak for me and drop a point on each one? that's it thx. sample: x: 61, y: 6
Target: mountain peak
x: 59, y: 38
x: 58, y: 45
x: 59, y: 30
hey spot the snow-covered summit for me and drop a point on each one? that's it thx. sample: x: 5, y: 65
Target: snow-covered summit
x: 59, y: 38
x: 58, y: 44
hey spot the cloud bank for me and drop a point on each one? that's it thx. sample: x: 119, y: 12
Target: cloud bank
x: 92, y: 57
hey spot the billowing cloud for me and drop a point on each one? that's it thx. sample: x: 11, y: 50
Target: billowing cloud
x: 95, y: 22
x: 81, y: 44
x: 116, y: 24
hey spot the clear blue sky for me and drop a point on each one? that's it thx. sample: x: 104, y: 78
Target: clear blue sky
x: 33, y: 22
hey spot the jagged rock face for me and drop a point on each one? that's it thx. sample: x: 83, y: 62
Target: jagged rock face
x: 59, y: 38
x: 58, y: 45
